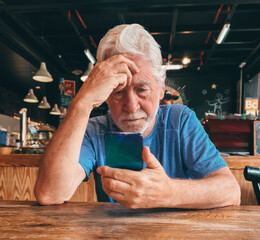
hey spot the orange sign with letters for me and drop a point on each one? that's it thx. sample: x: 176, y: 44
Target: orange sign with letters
x: 251, y: 104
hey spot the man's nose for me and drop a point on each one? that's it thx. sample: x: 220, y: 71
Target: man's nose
x: 131, y: 104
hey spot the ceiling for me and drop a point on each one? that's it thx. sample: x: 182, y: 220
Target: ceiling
x: 57, y: 32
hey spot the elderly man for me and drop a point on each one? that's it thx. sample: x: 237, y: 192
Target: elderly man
x: 183, y: 170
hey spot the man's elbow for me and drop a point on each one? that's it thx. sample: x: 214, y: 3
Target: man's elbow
x: 46, y: 198
x: 236, y: 194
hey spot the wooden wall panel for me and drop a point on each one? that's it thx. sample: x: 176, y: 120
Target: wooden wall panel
x: 247, y: 191
x: 237, y: 165
x: 18, y: 173
x: 17, y: 183
x: 86, y: 191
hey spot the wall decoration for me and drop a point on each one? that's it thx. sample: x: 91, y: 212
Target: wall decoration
x: 204, y: 92
x: 197, y: 89
x: 217, y: 103
x: 67, y: 92
x: 214, y: 86
x: 177, y: 90
x: 227, y: 91
x: 69, y: 88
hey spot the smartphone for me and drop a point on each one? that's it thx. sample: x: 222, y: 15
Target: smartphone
x: 124, y: 150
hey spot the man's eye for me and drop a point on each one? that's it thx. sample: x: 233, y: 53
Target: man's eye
x: 142, y: 91
x: 118, y: 94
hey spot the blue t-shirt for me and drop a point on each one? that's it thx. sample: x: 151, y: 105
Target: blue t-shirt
x: 177, y: 140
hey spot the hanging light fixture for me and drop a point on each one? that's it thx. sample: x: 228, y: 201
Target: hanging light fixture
x: 169, y: 65
x: 55, y: 110
x: 185, y: 60
x: 42, y: 75
x: 89, y: 56
x: 30, y: 97
x: 87, y: 72
x: 63, y: 112
x: 44, y: 104
x: 172, y: 66
x: 223, y: 34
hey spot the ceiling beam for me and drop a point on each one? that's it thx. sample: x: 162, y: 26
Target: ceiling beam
x: 253, y: 52
x: 77, y: 30
x: 41, y: 5
x: 173, y: 29
x: 14, y: 42
x: 121, y: 18
x: 164, y: 30
x: 223, y: 61
x: 250, y: 62
x: 214, y: 45
x: 29, y: 44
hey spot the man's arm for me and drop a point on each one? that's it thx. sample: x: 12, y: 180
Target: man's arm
x: 60, y: 173
x: 152, y: 188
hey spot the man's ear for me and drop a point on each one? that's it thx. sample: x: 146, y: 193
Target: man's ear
x: 162, y: 91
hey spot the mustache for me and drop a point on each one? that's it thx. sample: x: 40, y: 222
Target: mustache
x: 132, y: 116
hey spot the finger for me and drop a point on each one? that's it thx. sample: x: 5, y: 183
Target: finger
x: 114, y: 195
x: 125, y: 58
x: 131, y: 56
x: 115, y: 185
x: 150, y: 159
x: 122, y: 68
x: 122, y: 175
x: 122, y: 82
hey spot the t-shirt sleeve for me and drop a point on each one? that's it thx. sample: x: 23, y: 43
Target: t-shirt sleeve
x: 87, y: 156
x: 199, y: 154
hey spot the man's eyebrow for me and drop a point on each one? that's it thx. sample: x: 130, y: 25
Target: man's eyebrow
x: 143, y: 83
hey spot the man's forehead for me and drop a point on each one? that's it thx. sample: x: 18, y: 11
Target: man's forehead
x: 140, y: 61
x: 146, y: 74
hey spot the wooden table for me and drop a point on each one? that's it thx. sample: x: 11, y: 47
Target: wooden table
x: 27, y: 220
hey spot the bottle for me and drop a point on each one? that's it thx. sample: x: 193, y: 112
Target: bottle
x: 3, y: 136
x: 7, y: 139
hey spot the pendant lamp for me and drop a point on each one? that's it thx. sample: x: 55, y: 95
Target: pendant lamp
x: 30, y: 97
x: 87, y: 72
x: 55, y: 110
x: 89, y: 56
x: 44, y: 104
x: 42, y: 75
x: 63, y: 112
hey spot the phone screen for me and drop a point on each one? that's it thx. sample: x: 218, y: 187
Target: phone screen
x: 124, y: 150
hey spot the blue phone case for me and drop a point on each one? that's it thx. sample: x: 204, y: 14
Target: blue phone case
x: 124, y: 150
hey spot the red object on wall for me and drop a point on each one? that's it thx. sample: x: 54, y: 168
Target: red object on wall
x: 230, y: 135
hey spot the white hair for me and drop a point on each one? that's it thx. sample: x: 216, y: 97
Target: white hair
x: 135, y: 39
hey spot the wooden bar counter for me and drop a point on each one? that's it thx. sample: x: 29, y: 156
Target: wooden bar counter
x: 18, y: 173
x: 28, y: 220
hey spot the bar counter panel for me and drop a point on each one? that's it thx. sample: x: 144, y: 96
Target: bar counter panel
x: 18, y: 173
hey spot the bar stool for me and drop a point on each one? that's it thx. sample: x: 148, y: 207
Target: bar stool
x: 253, y: 175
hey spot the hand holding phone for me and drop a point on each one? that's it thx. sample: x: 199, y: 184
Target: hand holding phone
x: 124, y: 150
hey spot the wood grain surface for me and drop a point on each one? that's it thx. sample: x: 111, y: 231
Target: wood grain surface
x: 17, y: 183
x: 18, y: 173
x: 20, y: 160
x: 237, y: 165
x: 113, y: 221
